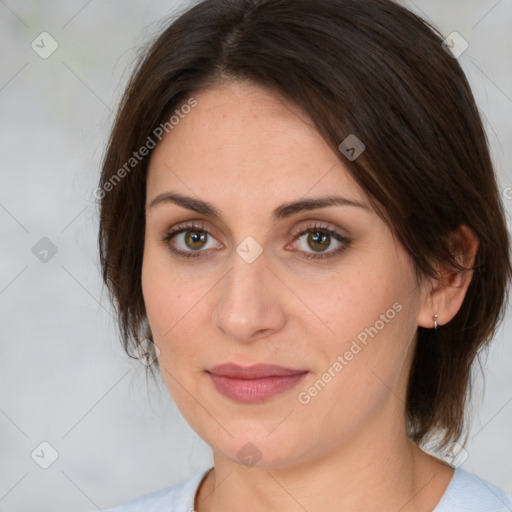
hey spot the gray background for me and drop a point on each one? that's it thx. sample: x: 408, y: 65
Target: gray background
x: 64, y: 378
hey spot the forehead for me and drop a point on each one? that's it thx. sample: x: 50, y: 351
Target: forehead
x: 241, y: 140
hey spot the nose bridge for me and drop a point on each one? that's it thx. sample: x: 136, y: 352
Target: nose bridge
x: 247, y: 305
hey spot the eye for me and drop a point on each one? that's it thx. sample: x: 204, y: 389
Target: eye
x: 190, y: 238
x: 319, y: 239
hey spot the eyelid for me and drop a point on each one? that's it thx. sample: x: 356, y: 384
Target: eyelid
x: 312, y: 224
x: 320, y: 225
x: 198, y: 225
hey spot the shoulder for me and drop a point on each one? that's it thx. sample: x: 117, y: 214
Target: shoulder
x: 179, y: 498
x: 469, y: 493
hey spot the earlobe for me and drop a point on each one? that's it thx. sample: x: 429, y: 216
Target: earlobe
x: 448, y: 291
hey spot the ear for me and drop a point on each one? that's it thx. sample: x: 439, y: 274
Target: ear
x: 447, y: 292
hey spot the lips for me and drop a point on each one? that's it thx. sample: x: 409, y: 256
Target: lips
x: 255, y: 383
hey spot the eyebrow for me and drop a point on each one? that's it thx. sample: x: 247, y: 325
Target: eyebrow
x: 281, y: 212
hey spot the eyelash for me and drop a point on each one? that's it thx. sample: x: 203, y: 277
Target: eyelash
x: 314, y: 228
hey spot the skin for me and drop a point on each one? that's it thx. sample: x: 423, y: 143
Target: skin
x: 246, y: 151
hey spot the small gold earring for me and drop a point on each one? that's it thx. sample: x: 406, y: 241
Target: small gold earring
x: 435, y: 322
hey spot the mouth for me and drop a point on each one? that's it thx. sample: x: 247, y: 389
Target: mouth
x: 253, y: 384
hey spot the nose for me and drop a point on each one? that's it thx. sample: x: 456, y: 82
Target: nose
x: 249, y: 305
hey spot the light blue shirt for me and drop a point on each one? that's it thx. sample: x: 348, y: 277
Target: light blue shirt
x: 465, y: 493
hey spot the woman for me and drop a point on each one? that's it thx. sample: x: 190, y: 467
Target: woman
x: 300, y: 225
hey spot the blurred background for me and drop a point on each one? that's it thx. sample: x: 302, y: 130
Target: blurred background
x: 80, y: 429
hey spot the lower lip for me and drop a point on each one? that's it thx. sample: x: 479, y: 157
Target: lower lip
x: 255, y: 390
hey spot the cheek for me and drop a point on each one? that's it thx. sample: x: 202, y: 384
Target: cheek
x: 162, y: 298
x: 368, y: 318
x: 163, y: 291
x: 346, y: 304
x: 166, y: 309
x: 173, y: 305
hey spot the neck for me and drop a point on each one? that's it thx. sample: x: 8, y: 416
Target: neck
x: 384, y: 472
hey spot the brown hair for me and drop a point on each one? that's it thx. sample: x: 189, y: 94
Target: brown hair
x: 365, y: 67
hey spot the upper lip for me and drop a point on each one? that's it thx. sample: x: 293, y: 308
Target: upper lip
x: 257, y: 371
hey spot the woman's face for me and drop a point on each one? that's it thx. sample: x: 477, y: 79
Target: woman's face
x: 325, y: 293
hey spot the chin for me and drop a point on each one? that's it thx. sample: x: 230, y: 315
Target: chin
x: 259, y: 450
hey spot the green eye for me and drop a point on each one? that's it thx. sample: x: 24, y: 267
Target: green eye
x: 194, y: 240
